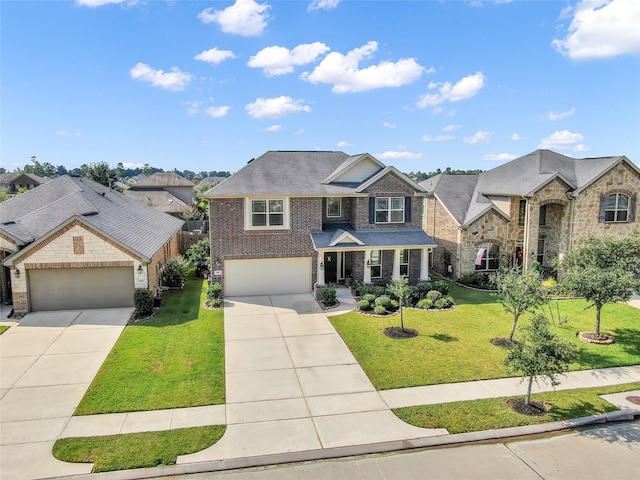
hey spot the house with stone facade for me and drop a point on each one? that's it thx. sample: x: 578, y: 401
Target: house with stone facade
x: 534, y: 208
x: 72, y: 243
x: 290, y: 221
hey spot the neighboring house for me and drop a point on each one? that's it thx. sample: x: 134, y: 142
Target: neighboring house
x: 167, y: 192
x: 73, y: 243
x: 13, y: 182
x: 536, y: 207
x: 213, y: 180
x: 289, y: 221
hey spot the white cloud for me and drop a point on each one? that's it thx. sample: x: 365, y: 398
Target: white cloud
x: 64, y: 133
x: 245, y: 17
x: 275, y: 107
x: 553, y: 116
x: 478, y: 137
x: 390, y: 154
x: 175, y: 80
x: 580, y: 148
x: 273, y: 128
x: 100, y: 3
x: 280, y: 60
x: 343, y: 144
x: 193, y: 107
x: 602, y: 29
x: 451, y: 128
x: 217, y: 112
x: 323, y: 4
x: 562, y: 140
x: 466, y: 88
x: 437, y: 138
x: 342, y: 71
x: 499, y: 157
x: 215, y: 56
x: 131, y: 165
x: 516, y: 136
x: 389, y: 125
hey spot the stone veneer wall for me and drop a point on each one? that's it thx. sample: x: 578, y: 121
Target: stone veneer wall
x: 491, y: 228
x: 443, y: 229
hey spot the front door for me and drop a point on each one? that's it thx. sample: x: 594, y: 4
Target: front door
x: 331, y: 267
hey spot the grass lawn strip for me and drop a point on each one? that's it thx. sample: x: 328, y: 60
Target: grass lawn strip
x: 173, y: 360
x: 492, y: 413
x: 454, y: 345
x: 136, y: 450
x: 3, y: 328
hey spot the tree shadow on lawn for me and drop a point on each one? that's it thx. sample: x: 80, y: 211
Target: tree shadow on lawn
x: 443, y: 337
x: 628, y: 339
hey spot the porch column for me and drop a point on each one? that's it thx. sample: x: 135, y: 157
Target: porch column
x: 339, y: 275
x: 424, y: 264
x: 367, y: 268
x: 396, y: 262
x: 320, y: 268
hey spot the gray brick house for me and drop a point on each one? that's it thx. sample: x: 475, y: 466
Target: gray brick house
x: 536, y: 207
x: 292, y: 220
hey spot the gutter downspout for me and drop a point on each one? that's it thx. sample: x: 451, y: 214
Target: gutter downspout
x: 525, y: 240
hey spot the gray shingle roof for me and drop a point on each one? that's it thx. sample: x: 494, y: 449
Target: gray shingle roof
x: 164, y: 179
x: 37, y: 212
x: 285, y: 173
x: 160, y: 199
x: 380, y: 238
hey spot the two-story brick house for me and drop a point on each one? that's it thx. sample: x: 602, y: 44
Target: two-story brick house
x: 292, y: 220
x: 536, y: 207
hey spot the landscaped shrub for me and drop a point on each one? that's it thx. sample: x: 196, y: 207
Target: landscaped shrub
x: 143, y: 302
x: 444, y: 302
x: 473, y: 279
x: 329, y: 295
x: 425, y: 304
x: 441, y: 286
x: 378, y: 290
x: 433, y: 295
x: 198, y: 255
x: 364, y: 305
x: 393, y: 305
x: 369, y: 297
x: 214, y: 292
x: 379, y: 310
x: 383, y: 301
x: 174, y: 272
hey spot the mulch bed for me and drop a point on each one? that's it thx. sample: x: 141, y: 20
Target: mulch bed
x: 535, y: 409
x: 398, y: 333
x: 324, y: 306
x: 592, y: 337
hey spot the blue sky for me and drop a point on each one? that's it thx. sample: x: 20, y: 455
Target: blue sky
x: 208, y: 85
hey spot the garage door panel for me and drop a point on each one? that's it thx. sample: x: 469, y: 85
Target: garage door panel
x: 81, y: 288
x: 268, y: 276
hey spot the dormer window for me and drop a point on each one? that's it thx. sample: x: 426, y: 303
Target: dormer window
x: 389, y: 210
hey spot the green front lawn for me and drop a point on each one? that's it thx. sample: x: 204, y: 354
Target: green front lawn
x: 174, y: 359
x: 136, y: 450
x: 490, y: 413
x: 454, y: 346
x: 3, y: 328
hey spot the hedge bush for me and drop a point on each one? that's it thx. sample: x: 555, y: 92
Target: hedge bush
x: 425, y: 304
x: 174, y: 272
x: 364, y: 305
x: 379, y: 310
x: 434, y: 295
x: 143, y: 302
x: 329, y: 295
x: 383, y: 301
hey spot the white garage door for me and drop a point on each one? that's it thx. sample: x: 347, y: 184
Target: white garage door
x: 267, y: 276
x: 81, y: 288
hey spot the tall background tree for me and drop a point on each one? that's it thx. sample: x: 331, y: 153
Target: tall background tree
x: 603, y: 270
x: 519, y: 292
x: 100, y: 172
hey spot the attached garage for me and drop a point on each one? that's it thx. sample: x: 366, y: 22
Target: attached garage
x: 80, y: 288
x: 267, y: 276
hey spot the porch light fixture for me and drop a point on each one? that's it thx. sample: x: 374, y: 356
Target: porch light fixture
x: 17, y: 273
x: 140, y: 269
x: 321, y: 265
x: 368, y: 263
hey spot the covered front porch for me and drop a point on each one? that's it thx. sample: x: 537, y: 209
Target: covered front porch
x: 371, y: 256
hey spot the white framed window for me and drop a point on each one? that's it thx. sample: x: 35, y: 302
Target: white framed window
x: 376, y: 263
x: 404, y: 262
x: 488, y: 258
x: 266, y: 213
x: 389, y: 210
x: 334, y: 207
x: 616, y: 208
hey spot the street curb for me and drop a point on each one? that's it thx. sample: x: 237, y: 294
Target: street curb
x: 357, y: 450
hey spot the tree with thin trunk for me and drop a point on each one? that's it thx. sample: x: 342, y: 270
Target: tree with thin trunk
x: 399, y: 287
x: 519, y: 292
x: 603, y: 270
x: 540, y: 352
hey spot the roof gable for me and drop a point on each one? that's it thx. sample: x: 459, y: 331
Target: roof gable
x: 355, y: 169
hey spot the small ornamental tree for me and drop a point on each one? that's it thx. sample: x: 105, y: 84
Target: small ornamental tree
x: 603, y: 270
x: 540, y: 353
x: 399, y: 288
x: 519, y: 292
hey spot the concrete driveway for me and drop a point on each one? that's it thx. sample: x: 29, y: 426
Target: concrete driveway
x: 48, y: 361
x: 293, y: 385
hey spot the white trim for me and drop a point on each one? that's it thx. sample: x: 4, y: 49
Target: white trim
x: 339, y: 207
x: 346, y: 237
x: 286, y: 220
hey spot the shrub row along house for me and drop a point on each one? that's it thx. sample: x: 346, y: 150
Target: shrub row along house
x: 72, y: 243
x: 292, y: 220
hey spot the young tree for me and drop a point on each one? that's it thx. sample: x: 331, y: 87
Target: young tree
x: 519, y: 292
x: 540, y: 352
x: 100, y: 172
x: 399, y: 287
x: 602, y: 270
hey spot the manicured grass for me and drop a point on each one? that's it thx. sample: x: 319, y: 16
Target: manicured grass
x: 174, y: 359
x: 485, y: 414
x: 455, y: 345
x: 3, y: 328
x: 136, y: 450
